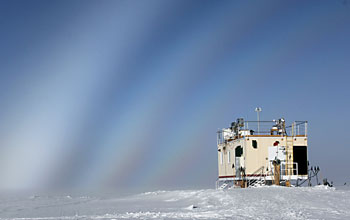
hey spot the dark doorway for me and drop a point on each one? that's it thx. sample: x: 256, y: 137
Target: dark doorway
x: 300, y: 157
x: 238, y: 151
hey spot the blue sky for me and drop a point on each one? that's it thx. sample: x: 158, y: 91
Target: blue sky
x: 129, y: 94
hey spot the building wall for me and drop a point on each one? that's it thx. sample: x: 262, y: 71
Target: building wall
x: 227, y: 156
x: 252, y: 159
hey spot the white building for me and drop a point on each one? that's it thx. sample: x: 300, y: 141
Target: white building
x: 248, y: 152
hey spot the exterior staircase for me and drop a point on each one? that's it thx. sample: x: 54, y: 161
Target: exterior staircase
x: 223, y: 186
x: 259, y: 180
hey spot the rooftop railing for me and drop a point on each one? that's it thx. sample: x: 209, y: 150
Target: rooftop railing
x: 297, y: 128
x: 271, y: 128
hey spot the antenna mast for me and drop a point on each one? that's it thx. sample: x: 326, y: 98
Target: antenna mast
x: 258, y: 110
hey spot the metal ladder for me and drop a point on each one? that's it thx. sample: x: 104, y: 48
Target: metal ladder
x: 289, y: 153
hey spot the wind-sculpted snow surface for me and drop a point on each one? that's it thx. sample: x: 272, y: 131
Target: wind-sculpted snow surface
x: 253, y: 203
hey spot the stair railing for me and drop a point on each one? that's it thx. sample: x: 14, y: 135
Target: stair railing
x: 252, y: 181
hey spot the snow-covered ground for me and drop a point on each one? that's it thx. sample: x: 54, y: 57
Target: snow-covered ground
x: 253, y: 203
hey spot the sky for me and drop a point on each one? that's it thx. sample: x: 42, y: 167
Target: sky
x: 129, y: 94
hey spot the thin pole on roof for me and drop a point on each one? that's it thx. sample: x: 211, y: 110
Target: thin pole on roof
x: 258, y: 110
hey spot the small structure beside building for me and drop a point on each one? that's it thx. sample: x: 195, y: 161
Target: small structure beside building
x: 252, y: 153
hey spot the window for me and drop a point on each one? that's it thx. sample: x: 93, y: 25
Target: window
x: 239, y: 151
x: 255, y: 144
x: 228, y: 157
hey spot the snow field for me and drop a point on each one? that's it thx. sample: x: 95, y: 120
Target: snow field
x: 253, y: 203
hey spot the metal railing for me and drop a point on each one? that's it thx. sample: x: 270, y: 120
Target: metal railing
x: 288, y: 169
x: 224, y: 136
x: 297, y: 128
x: 260, y: 180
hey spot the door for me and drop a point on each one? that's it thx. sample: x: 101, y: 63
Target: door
x: 300, y: 157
